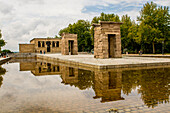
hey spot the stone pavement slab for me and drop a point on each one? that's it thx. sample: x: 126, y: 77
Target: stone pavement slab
x: 124, y: 62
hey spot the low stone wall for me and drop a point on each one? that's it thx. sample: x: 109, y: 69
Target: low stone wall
x: 22, y: 55
x: 26, y: 48
x: 145, y: 55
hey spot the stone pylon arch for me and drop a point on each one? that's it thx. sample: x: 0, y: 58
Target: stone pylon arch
x: 69, y: 44
x: 107, y: 40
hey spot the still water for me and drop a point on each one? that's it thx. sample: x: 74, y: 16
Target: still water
x: 40, y: 86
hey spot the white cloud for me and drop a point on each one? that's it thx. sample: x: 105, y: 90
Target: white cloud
x: 31, y: 1
x: 163, y: 2
x: 22, y: 20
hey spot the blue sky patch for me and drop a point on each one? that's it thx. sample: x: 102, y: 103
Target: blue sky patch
x: 113, y: 8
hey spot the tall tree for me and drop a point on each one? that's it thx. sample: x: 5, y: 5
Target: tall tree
x: 0, y: 34
x: 124, y: 31
x: 153, y: 22
x: 2, y: 42
x: 82, y: 29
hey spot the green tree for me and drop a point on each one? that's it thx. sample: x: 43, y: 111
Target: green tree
x: 57, y: 37
x: 133, y: 36
x: 7, y: 51
x: 82, y: 29
x: 154, y: 26
x: 2, y: 42
x: 163, y: 19
x: 0, y: 34
x: 128, y: 33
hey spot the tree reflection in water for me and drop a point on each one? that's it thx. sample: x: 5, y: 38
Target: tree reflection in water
x: 85, y: 79
x: 2, y: 72
x: 152, y: 83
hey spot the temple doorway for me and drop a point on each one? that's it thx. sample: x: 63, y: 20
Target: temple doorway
x: 111, y: 45
x: 48, y: 46
x: 71, y: 47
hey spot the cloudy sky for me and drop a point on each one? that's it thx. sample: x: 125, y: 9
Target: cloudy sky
x: 22, y: 20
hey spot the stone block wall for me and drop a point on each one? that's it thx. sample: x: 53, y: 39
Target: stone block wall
x: 105, y: 47
x: 26, y: 48
x: 44, y: 40
x: 66, y: 39
x: 33, y: 47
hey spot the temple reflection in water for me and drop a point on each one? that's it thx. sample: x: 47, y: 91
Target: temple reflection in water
x: 109, y: 85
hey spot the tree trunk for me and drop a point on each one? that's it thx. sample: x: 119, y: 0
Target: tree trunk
x: 153, y: 45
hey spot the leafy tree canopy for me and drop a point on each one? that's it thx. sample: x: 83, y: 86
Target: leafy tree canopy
x: 149, y: 35
x: 6, y: 51
x: 154, y: 24
x: 82, y: 29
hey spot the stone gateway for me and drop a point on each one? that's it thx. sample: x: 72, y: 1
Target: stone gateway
x: 107, y: 40
x: 69, y: 44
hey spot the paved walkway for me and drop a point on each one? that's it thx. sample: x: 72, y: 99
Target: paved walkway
x: 108, y: 63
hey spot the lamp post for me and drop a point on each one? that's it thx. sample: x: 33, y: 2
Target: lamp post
x: 163, y: 47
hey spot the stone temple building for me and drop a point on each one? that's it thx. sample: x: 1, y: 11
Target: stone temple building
x: 67, y: 45
x: 107, y: 40
x: 41, y: 45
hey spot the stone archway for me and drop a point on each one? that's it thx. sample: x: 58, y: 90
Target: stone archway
x: 107, y: 40
x: 69, y: 44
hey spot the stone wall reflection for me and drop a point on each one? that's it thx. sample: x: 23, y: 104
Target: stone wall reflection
x: 107, y: 85
x: 154, y: 88
x: 40, y: 68
x: 151, y: 84
x: 69, y: 75
x: 45, y: 68
x: 27, y: 66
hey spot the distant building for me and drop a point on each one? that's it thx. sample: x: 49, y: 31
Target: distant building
x: 41, y: 45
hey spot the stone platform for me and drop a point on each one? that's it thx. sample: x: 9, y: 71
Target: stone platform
x: 111, y: 63
x: 148, y: 55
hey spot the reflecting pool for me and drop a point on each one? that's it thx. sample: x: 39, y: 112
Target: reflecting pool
x: 52, y: 87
